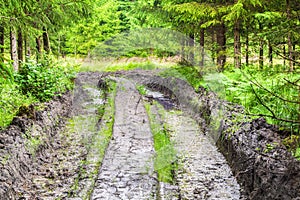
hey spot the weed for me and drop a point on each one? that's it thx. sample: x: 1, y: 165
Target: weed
x: 270, y: 147
x: 142, y: 90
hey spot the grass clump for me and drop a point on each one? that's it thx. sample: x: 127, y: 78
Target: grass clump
x: 187, y: 73
x: 165, y: 161
x: 131, y: 66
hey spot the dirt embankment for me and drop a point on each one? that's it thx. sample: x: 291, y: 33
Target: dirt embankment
x: 262, y: 164
x: 23, y: 143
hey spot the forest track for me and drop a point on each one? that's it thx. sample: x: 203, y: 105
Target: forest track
x: 203, y: 172
x: 127, y: 170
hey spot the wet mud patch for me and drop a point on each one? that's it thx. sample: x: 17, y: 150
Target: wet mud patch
x: 167, y: 101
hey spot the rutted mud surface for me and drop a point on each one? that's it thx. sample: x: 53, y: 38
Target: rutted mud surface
x: 203, y: 172
x: 127, y: 169
x: 263, y: 172
x: 44, y: 157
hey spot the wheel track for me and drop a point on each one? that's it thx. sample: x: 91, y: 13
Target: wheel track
x: 127, y: 169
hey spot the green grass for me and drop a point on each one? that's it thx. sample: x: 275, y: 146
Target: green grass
x: 144, y: 66
x: 141, y: 89
x: 165, y: 161
x: 187, y: 73
x: 114, y: 65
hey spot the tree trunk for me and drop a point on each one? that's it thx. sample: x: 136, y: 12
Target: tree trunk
x: 290, y: 52
x: 261, y: 54
x: 290, y: 44
x: 284, y: 55
x: 202, y: 47
x: 270, y: 53
x: 221, y: 41
x: 20, y: 46
x: 46, y: 41
x: 213, y: 41
x: 261, y: 49
x: 237, y: 45
x: 38, y: 48
x: 27, y: 47
x: 191, y: 44
x: 1, y: 43
x: 247, y: 48
x: 13, y: 49
x: 294, y: 55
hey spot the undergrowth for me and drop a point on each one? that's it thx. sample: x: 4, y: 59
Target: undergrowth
x: 266, y: 93
x: 272, y: 93
x: 144, y: 66
x: 35, y: 82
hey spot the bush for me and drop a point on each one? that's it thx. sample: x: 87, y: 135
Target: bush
x: 10, y: 101
x: 44, y: 82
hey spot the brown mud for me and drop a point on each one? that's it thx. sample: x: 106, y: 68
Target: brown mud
x: 40, y: 160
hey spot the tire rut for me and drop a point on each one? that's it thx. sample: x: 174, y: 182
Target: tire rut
x: 203, y: 172
x: 127, y: 170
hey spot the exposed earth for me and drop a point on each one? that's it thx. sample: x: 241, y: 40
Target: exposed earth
x: 97, y: 143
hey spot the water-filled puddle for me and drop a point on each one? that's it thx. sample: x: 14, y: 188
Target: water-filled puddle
x: 167, y: 102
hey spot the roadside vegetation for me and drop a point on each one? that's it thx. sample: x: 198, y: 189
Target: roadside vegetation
x: 33, y: 83
x: 272, y: 94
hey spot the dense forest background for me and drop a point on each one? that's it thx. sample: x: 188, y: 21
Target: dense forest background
x: 253, y: 43
x: 243, y: 30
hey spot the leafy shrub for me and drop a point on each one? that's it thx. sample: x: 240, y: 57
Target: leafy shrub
x: 6, y: 73
x: 10, y: 101
x: 43, y: 82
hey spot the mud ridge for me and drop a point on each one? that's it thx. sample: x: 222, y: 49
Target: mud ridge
x: 18, y: 151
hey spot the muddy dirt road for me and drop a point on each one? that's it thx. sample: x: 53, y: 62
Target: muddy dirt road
x: 100, y: 142
x: 127, y: 170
